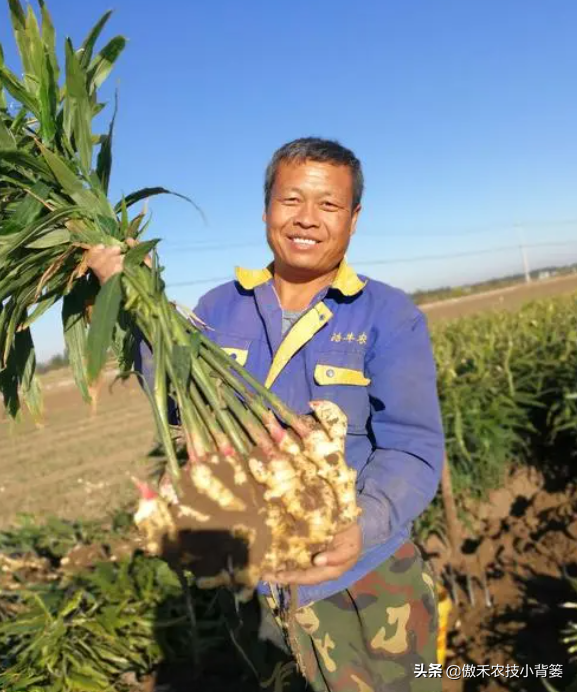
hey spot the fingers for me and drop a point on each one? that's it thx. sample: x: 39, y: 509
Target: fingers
x: 346, y: 546
x: 105, y: 262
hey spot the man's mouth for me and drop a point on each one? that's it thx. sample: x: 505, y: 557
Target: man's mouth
x: 303, y: 242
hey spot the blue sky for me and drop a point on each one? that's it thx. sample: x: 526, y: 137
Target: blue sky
x: 463, y: 114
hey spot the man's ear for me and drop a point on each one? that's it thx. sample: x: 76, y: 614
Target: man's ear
x: 264, y: 216
x: 355, y: 218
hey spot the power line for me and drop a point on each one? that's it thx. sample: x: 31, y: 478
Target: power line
x: 480, y: 230
x: 401, y: 260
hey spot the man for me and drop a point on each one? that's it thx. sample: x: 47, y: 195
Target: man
x: 310, y: 328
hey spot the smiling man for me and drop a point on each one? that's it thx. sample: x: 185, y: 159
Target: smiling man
x: 310, y: 328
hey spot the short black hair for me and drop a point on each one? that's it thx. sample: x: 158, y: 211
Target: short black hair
x: 321, y: 151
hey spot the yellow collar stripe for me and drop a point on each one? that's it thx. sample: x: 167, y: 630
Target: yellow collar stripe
x: 346, y: 281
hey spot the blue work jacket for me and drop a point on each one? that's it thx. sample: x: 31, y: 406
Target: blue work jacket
x: 365, y: 346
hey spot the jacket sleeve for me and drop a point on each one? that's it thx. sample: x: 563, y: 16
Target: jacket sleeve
x: 402, y: 474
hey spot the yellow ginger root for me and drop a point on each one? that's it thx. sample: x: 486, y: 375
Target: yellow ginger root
x: 154, y: 520
x: 325, y: 446
x: 332, y: 419
x: 206, y: 482
x: 273, y: 508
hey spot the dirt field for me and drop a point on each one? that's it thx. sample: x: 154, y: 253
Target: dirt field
x: 506, y: 298
x: 78, y: 463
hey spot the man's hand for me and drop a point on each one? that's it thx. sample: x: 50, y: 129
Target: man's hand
x: 105, y: 262
x: 341, y: 555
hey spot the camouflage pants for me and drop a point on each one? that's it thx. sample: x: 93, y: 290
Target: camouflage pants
x: 367, y: 638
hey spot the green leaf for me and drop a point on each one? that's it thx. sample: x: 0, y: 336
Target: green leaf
x: 20, y: 158
x: 18, y: 19
x: 7, y: 140
x: 27, y: 211
x: 71, y: 604
x: 29, y: 382
x: 104, y: 316
x: 78, y: 103
x: 87, y: 47
x: 136, y: 255
x: 44, y: 223
x: 75, y: 328
x: 48, y: 97
x: 15, y: 87
x: 44, y: 304
x: 147, y: 192
x: 104, y: 161
x: 83, y: 683
x: 49, y: 39
x: 17, y: 378
x: 58, y: 236
x: 70, y: 182
x: 103, y: 63
x: 181, y: 362
x: 2, y: 94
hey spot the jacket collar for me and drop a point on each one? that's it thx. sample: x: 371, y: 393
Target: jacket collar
x: 346, y: 281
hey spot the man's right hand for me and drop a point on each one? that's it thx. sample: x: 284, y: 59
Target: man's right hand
x: 105, y: 261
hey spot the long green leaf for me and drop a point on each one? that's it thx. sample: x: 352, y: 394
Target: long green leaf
x: 49, y: 39
x: 18, y: 19
x: 79, y: 103
x: 26, y: 161
x: 58, y: 236
x: 145, y: 193
x: 27, y: 211
x: 48, y: 98
x: 18, y: 378
x: 44, y: 223
x: 104, y: 316
x: 75, y: 329
x: 136, y: 255
x: 103, y: 63
x: 71, y: 184
x: 7, y: 140
x: 15, y: 87
x: 87, y: 47
x: 2, y: 94
x: 104, y: 161
x: 29, y: 382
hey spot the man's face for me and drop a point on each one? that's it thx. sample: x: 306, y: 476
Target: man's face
x: 310, y: 218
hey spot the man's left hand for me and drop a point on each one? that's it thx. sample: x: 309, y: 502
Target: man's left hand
x: 340, y: 556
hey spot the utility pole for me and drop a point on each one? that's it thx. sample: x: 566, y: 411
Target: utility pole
x: 523, y: 249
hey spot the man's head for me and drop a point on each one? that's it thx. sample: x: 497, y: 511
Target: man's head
x: 313, y: 190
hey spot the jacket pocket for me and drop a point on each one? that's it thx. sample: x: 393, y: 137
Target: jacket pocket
x: 236, y: 347
x: 332, y: 374
x: 238, y: 354
x: 340, y: 378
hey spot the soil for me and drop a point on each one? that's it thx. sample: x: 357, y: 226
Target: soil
x: 523, y: 546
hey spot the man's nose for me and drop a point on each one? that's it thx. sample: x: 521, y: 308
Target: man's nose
x: 308, y: 216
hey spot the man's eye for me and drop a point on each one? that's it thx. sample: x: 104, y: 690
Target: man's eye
x: 290, y: 200
x: 329, y: 206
